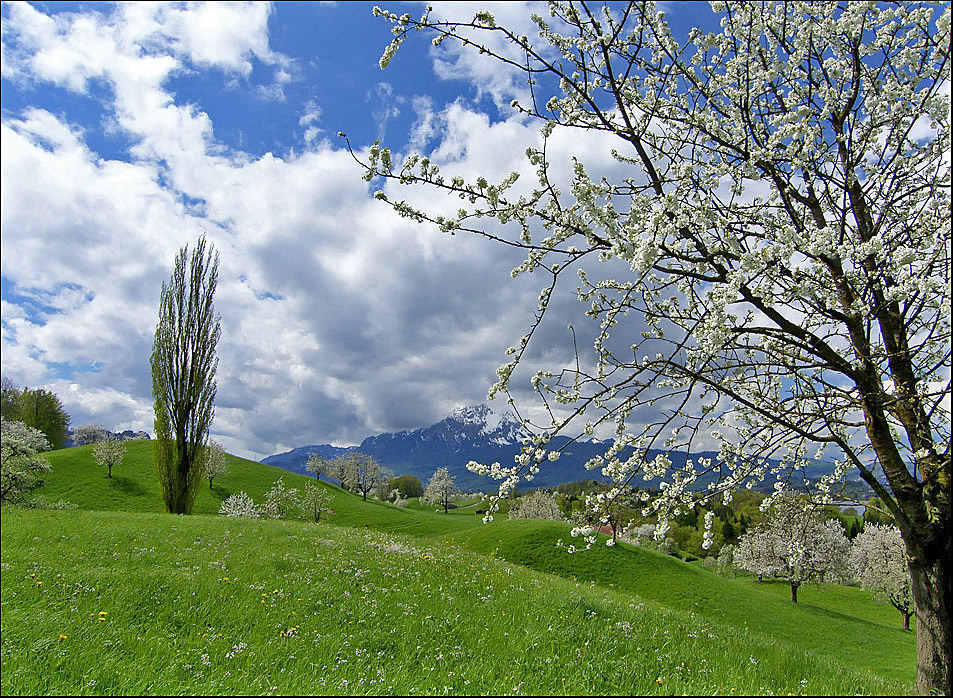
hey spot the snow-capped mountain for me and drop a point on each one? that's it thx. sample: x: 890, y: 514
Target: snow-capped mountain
x: 475, y: 432
x: 475, y: 426
x: 480, y: 434
x: 500, y: 428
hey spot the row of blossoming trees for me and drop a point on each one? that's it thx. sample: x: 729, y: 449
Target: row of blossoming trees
x: 795, y: 542
x: 356, y: 472
x: 360, y: 472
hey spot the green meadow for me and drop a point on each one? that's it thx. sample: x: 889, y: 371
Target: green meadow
x: 117, y: 597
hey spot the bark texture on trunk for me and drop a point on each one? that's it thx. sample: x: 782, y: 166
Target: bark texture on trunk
x: 931, y: 592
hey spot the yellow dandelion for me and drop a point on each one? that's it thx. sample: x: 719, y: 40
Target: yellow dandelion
x: 62, y: 637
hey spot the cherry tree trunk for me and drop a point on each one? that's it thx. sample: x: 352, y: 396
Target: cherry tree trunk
x: 931, y: 598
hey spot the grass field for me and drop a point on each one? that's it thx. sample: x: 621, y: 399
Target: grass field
x: 119, y: 598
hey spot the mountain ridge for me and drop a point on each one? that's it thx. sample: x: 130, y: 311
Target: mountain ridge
x: 477, y: 433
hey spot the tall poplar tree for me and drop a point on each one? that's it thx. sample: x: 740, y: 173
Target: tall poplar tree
x: 183, y: 374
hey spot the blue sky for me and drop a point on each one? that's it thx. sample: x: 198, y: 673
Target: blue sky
x: 129, y: 130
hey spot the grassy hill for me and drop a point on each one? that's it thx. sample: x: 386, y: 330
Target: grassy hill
x: 121, y: 598
x: 134, y: 487
x: 835, y: 621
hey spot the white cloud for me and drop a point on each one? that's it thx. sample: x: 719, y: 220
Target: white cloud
x: 339, y: 318
x: 220, y: 35
x: 453, y: 61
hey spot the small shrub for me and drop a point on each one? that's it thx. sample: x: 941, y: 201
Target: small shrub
x: 59, y: 505
x: 240, y: 506
x: 315, y: 501
x: 279, y: 501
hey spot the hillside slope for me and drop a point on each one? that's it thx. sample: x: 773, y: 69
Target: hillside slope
x: 120, y: 603
x: 874, y: 635
x: 846, y: 626
x: 134, y: 487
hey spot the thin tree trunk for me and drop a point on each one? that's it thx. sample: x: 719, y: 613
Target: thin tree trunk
x: 794, y: 592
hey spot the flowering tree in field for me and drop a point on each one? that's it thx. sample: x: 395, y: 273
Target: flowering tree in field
x: 765, y: 249
x: 280, y: 501
x: 755, y: 553
x: 314, y: 501
x: 441, y: 489
x: 537, y: 505
x: 216, y: 463
x: 20, y: 466
x: 878, y: 558
x: 362, y: 472
x: 336, y: 468
x: 319, y: 465
x: 241, y: 506
x: 89, y: 434
x: 795, y: 543
x: 109, y: 454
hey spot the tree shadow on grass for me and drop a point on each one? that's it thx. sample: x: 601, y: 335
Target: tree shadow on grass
x: 127, y: 486
x: 219, y: 493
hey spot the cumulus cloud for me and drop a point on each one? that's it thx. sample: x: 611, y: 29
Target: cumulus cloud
x: 339, y: 319
x: 502, y: 84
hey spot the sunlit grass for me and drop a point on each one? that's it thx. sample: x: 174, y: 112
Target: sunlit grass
x: 121, y: 598
x: 838, y: 622
x: 108, y: 603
